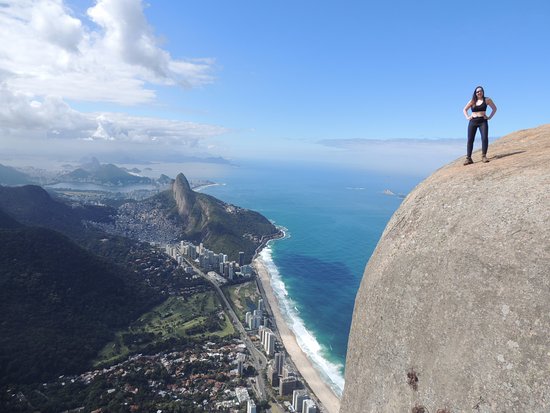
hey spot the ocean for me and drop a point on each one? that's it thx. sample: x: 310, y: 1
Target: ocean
x: 333, y: 219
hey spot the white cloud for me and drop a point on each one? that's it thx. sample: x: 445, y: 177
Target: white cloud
x: 52, y: 22
x: 25, y: 117
x: 45, y: 50
x: 21, y: 113
x: 128, y: 36
x: 124, y: 128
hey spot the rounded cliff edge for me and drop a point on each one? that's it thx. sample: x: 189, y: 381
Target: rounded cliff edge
x: 453, y: 312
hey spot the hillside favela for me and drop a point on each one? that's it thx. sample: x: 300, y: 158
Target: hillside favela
x: 274, y: 207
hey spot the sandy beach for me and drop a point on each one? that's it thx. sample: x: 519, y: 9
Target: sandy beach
x: 322, y: 391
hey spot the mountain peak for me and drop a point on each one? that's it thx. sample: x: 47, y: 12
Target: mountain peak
x: 182, y: 182
x: 90, y: 164
x: 183, y: 194
x: 454, y: 305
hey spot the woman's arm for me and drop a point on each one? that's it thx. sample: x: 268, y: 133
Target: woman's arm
x: 492, y: 106
x: 468, y: 106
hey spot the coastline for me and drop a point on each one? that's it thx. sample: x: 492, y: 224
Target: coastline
x: 199, y: 188
x: 305, y: 367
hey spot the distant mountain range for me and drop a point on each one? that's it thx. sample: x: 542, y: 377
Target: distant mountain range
x: 106, y: 174
x: 11, y: 176
x: 175, y: 214
x: 89, y: 172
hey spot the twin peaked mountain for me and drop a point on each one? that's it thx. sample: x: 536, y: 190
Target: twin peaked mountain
x: 222, y: 227
x: 180, y: 213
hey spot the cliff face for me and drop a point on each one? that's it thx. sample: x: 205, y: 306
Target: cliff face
x: 453, y: 311
x: 185, y: 198
x: 183, y: 195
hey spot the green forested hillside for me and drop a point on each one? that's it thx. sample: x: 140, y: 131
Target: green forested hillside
x: 59, y: 304
x: 232, y: 232
x: 32, y: 205
x: 7, y: 221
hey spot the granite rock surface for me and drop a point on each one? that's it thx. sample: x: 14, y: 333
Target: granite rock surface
x: 453, y: 312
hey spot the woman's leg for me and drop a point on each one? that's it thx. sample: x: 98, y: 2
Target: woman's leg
x: 472, y: 127
x: 484, y: 130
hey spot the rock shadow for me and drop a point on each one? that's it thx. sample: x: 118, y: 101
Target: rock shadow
x: 504, y: 155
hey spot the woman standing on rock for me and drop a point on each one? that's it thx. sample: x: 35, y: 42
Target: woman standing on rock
x: 478, y: 119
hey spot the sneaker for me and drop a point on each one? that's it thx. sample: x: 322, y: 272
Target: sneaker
x: 484, y: 159
x: 468, y: 161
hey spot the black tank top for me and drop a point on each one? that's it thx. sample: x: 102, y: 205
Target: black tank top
x: 480, y: 108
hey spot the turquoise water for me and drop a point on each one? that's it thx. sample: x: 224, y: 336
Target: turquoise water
x: 333, y: 219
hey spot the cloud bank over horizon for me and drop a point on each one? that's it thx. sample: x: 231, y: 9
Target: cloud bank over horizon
x: 29, y: 125
x: 407, y: 156
x: 51, y: 128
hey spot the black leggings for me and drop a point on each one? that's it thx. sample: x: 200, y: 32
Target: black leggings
x: 483, y: 126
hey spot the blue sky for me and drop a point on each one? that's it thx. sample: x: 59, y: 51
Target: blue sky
x: 301, y: 80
